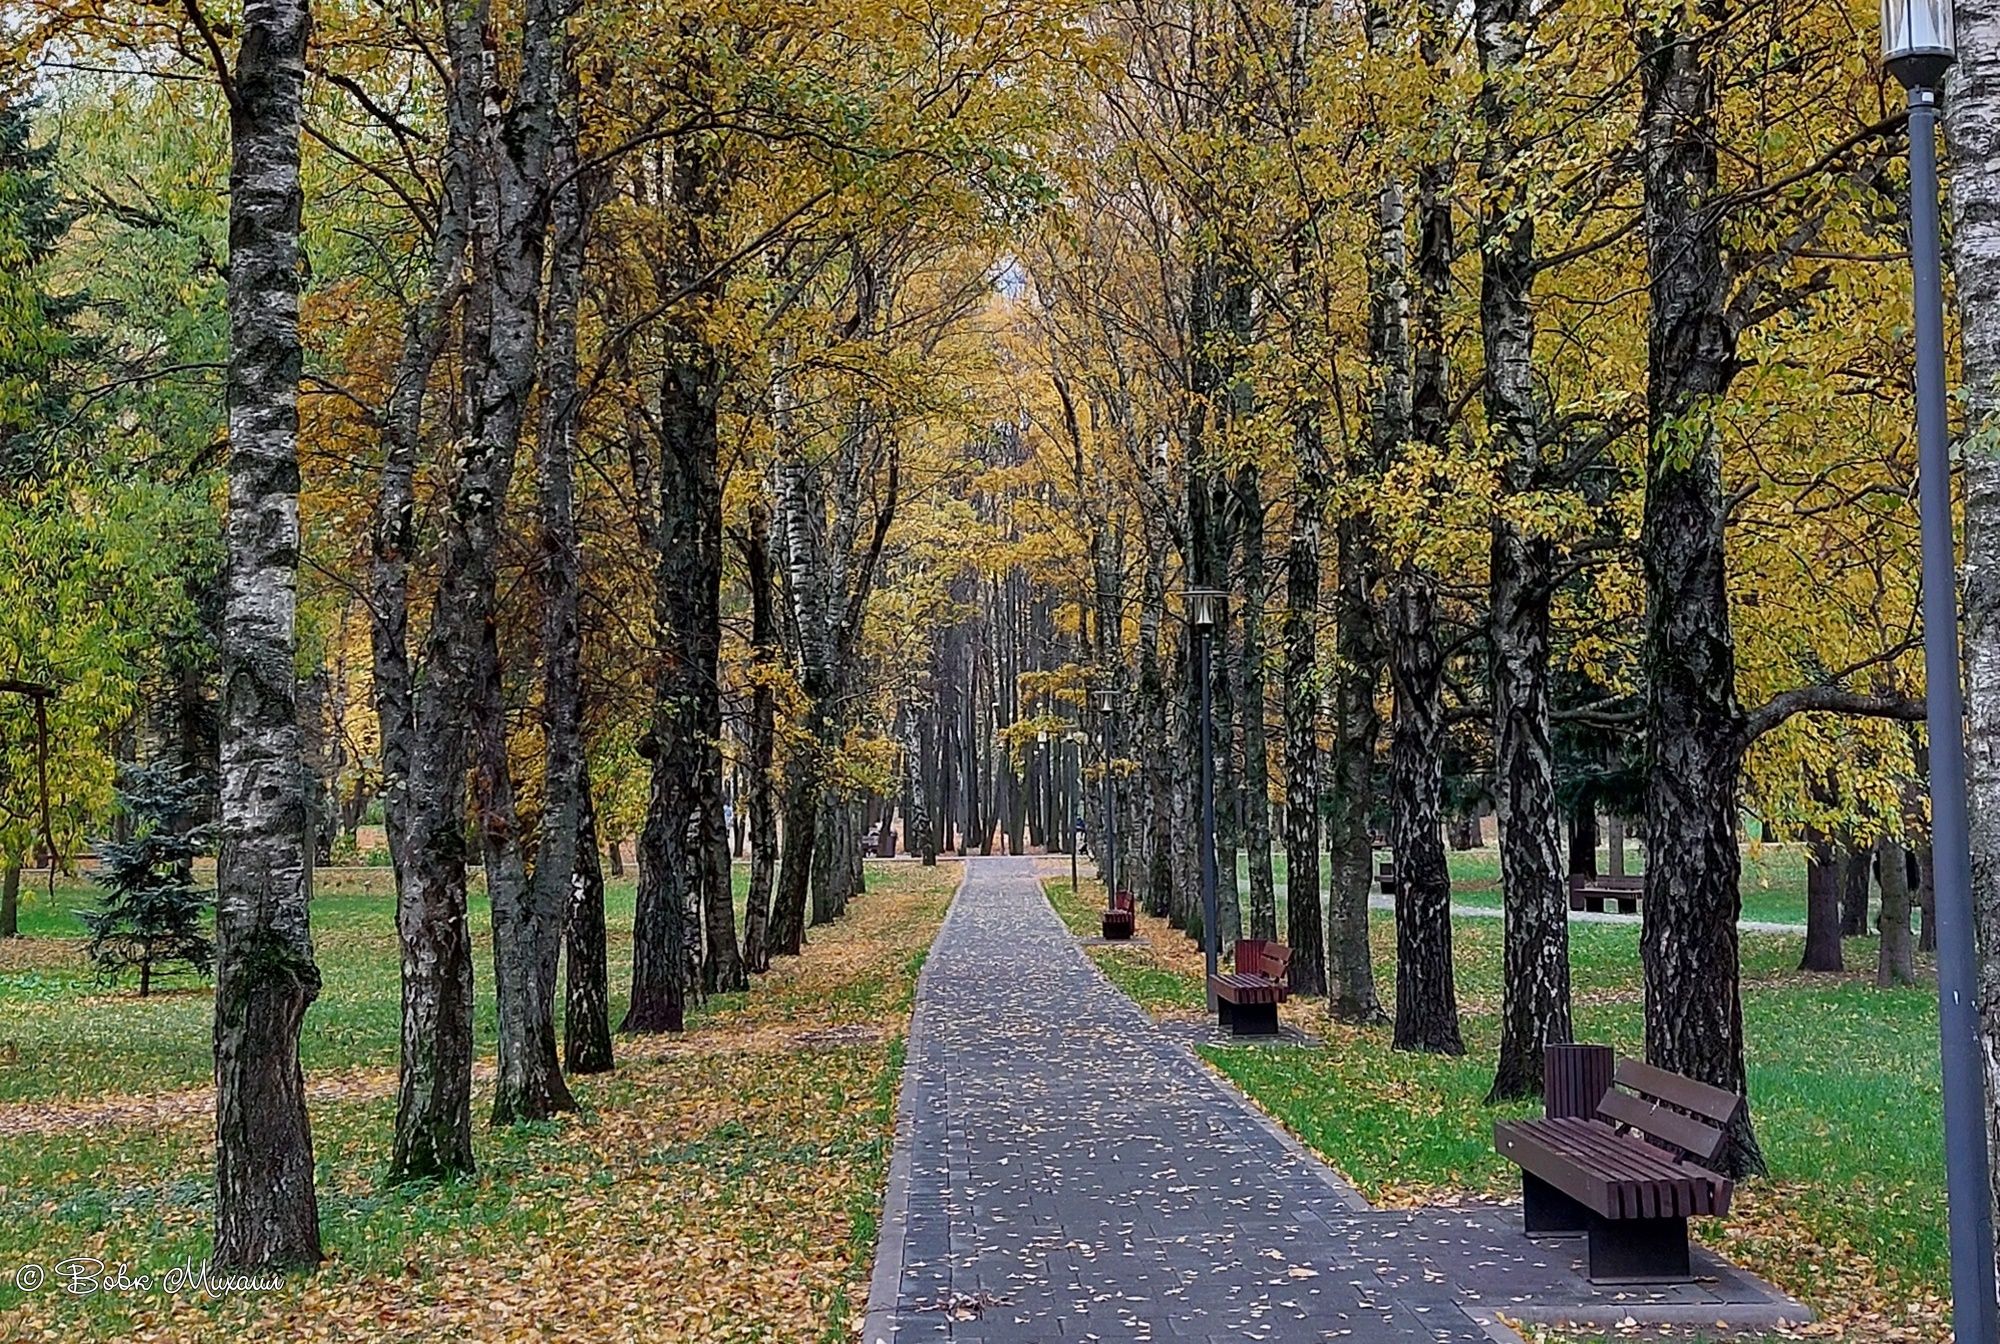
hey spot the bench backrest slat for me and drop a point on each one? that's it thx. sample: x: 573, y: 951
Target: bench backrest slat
x: 1713, y: 1104
x: 1261, y: 956
x: 1122, y: 901
x: 1698, y: 1140
x: 1579, y: 882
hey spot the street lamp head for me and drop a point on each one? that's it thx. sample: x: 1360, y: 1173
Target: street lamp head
x: 1041, y: 737
x: 1918, y: 41
x: 1106, y: 700
x: 1204, y: 607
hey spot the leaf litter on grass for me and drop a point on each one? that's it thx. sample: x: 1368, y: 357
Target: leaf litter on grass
x: 722, y: 1187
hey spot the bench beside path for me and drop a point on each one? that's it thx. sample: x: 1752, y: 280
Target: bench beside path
x: 1064, y: 1169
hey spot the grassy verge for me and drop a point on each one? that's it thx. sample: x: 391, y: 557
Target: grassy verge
x: 1843, y: 1085
x: 723, y: 1186
x: 1774, y: 879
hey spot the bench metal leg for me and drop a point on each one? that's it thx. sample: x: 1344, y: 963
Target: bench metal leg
x: 1253, y: 1019
x: 1548, y: 1212
x: 1639, y: 1250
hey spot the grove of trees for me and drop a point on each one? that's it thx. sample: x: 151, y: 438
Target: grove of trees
x: 735, y: 426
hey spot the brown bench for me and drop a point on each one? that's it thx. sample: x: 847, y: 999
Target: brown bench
x: 1247, y: 1000
x: 1590, y: 893
x: 1630, y: 1176
x: 1118, y: 917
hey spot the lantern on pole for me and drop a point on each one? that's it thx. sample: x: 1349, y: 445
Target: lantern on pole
x: 1918, y: 47
x: 1204, y: 609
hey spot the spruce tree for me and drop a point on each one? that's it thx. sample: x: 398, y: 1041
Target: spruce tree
x: 38, y: 344
x: 152, y: 913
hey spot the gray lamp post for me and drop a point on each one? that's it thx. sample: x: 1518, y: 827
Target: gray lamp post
x: 1107, y: 706
x: 1918, y: 46
x: 1045, y: 770
x: 1204, y: 613
x: 1073, y: 811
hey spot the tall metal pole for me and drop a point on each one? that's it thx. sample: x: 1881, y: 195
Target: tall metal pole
x: 1968, y: 1192
x: 1110, y: 807
x: 1208, y: 913
x: 1071, y: 806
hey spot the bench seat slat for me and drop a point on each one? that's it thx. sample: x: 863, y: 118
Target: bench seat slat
x: 1238, y: 987
x: 1615, y: 1175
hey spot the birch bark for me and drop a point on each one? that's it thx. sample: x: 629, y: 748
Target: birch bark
x: 266, y: 1210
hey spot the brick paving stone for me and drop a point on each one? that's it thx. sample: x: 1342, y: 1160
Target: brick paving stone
x: 1067, y: 1171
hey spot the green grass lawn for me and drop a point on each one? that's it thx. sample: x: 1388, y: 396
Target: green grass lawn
x: 1843, y: 1088
x: 723, y: 1186
x: 1773, y: 885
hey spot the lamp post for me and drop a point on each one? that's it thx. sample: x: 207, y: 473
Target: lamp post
x: 1918, y: 46
x: 1046, y: 773
x: 1073, y: 810
x: 1107, y: 705
x: 1204, y: 613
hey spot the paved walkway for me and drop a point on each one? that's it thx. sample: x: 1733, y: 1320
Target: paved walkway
x: 1064, y: 1171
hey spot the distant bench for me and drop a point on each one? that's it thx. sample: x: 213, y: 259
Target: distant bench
x: 1629, y: 1174
x: 1247, y: 1001
x: 1588, y: 892
x: 1118, y: 916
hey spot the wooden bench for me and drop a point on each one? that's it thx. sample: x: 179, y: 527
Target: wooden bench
x: 1118, y: 917
x: 1385, y: 875
x: 1590, y: 893
x: 1247, y: 1000
x: 1629, y: 1177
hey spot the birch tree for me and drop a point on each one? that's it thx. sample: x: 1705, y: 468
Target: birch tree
x: 266, y: 1211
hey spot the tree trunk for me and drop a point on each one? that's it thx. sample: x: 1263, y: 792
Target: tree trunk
x: 788, y: 907
x: 661, y: 974
x: 266, y: 1211
x: 394, y: 534
x: 1823, y: 949
x: 1426, y: 990
x: 527, y: 921
x: 1350, y: 964
x: 1894, y: 964
x: 1535, y: 1012
x: 587, y: 986
x: 1156, y: 748
x: 1426, y: 993
x: 763, y: 740
x: 1303, y: 915
x: 10, y: 901
x: 1854, y: 893
x: 829, y: 867
x: 916, y: 807
x: 722, y: 968
x: 799, y: 839
x: 1263, y: 913
x: 1695, y: 731
x: 1972, y: 122
x: 1614, y: 845
x: 1583, y: 837
x: 1926, y: 898
x: 501, y: 338
x: 687, y: 708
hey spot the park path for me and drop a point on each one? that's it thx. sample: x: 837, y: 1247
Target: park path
x: 1065, y: 1171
